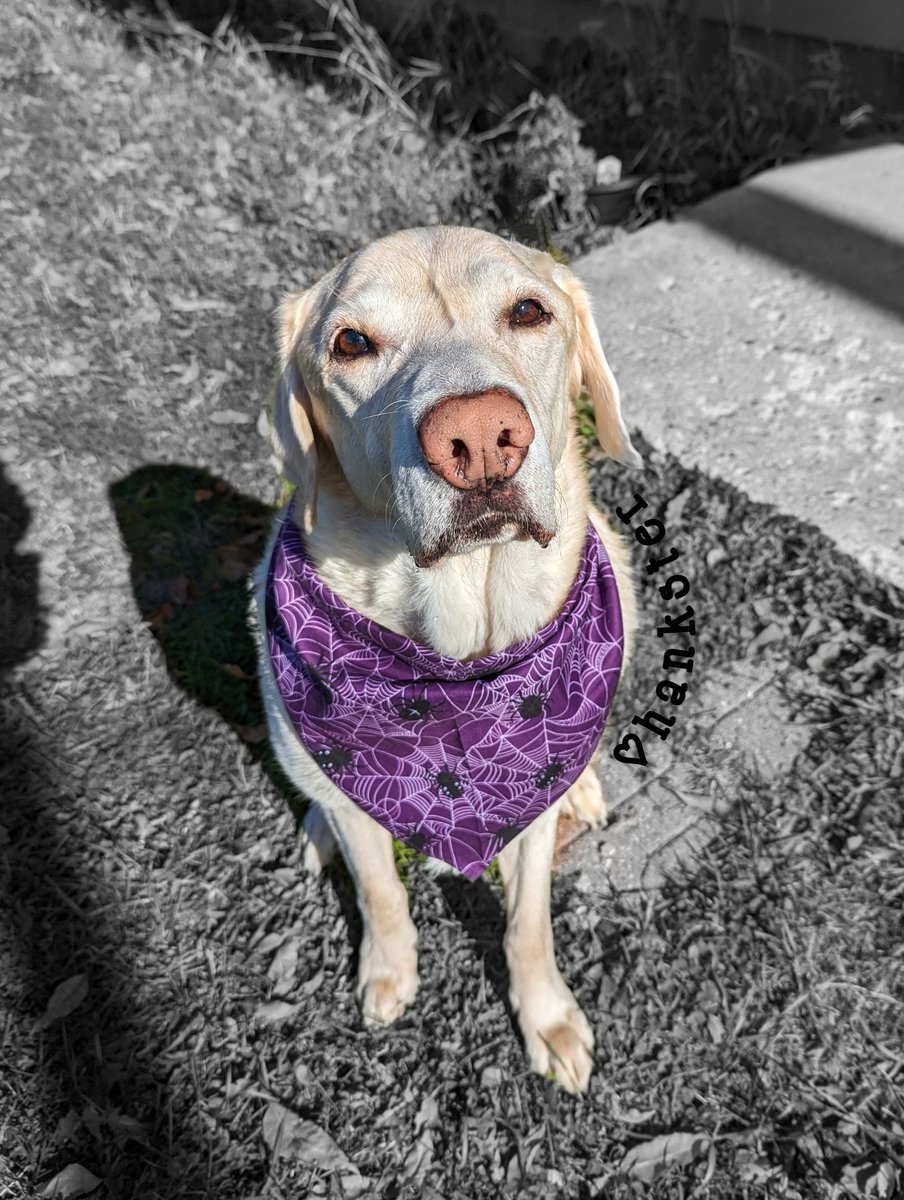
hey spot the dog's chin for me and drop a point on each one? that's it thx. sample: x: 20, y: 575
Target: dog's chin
x: 491, y: 529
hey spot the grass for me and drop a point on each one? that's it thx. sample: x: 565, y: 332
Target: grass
x: 154, y: 206
x: 688, y: 114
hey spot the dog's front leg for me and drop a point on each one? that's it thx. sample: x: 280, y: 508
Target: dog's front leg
x: 387, y: 965
x: 557, y: 1035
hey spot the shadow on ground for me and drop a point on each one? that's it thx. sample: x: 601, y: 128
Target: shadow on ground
x: 84, y: 1062
x: 840, y: 253
x: 192, y: 541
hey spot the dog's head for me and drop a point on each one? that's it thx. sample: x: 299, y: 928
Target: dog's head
x: 437, y: 368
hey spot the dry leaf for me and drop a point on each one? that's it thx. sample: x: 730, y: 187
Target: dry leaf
x: 649, y: 1160
x: 288, y: 1136
x: 283, y: 966
x: 77, y: 364
x: 716, y: 1028
x: 73, y: 1180
x: 65, y: 1000
x: 177, y: 589
x: 632, y: 1116
x: 421, y: 1157
x: 236, y: 671
x: 230, y: 416
x: 165, y: 612
x: 254, y: 734
x: 275, y: 1010
x: 268, y: 942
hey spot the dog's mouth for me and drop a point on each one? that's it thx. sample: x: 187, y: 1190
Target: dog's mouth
x: 486, y: 515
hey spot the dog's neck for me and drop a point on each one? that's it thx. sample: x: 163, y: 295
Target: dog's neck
x: 466, y: 605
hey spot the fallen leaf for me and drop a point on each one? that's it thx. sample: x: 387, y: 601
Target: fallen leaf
x: 632, y: 1116
x: 716, y: 1028
x: 165, y: 612
x: 236, y: 671
x: 65, y: 1000
x: 253, y: 734
x: 177, y: 589
x: 766, y: 637
x: 73, y: 1180
x: 202, y: 495
x: 649, y: 1160
x: 231, y: 416
x: 268, y: 942
x: 67, y: 1126
x: 275, y: 1010
x: 65, y: 367
x: 284, y: 965
x: 288, y: 1136
x: 421, y: 1156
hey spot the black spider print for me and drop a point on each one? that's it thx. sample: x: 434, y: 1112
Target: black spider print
x: 449, y: 784
x: 509, y: 833
x: 314, y: 674
x: 333, y: 758
x: 414, y: 710
x: 416, y: 841
x: 549, y: 774
x: 530, y: 705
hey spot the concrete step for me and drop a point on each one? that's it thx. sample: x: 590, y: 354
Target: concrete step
x: 760, y: 338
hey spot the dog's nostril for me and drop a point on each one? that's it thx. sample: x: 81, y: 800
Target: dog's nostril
x: 472, y: 441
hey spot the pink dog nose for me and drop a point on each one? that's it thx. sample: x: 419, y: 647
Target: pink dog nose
x: 474, y: 440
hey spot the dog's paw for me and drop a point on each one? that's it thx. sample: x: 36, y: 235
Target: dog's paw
x: 318, y: 846
x: 387, y: 976
x: 560, y: 1046
x: 584, y: 800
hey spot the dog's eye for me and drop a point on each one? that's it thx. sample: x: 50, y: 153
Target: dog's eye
x: 528, y: 312
x: 351, y: 343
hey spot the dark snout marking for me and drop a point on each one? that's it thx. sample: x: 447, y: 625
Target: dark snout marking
x: 474, y: 441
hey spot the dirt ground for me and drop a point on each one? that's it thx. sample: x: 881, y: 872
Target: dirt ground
x: 173, y: 989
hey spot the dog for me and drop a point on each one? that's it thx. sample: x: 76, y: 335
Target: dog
x: 424, y: 413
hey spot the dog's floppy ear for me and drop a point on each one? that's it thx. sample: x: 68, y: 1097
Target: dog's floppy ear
x: 590, y: 373
x: 293, y: 418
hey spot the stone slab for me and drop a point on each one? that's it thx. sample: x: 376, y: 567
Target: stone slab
x: 760, y: 338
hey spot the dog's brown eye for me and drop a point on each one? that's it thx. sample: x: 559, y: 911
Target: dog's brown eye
x: 351, y: 343
x: 528, y: 312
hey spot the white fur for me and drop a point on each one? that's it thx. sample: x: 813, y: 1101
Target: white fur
x: 427, y: 294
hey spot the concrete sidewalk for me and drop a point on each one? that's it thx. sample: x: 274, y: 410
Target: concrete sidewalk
x: 758, y: 337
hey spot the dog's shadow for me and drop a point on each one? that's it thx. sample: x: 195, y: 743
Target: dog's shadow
x: 192, y: 542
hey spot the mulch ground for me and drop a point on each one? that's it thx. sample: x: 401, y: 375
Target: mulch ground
x: 176, y: 996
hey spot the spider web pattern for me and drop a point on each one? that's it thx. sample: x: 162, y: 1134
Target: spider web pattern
x: 454, y: 758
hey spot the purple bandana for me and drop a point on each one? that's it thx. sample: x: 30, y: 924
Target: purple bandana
x: 453, y: 758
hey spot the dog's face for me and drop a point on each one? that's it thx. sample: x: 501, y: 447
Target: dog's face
x: 439, y: 366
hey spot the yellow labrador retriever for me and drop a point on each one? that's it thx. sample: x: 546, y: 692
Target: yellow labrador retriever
x: 425, y: 414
